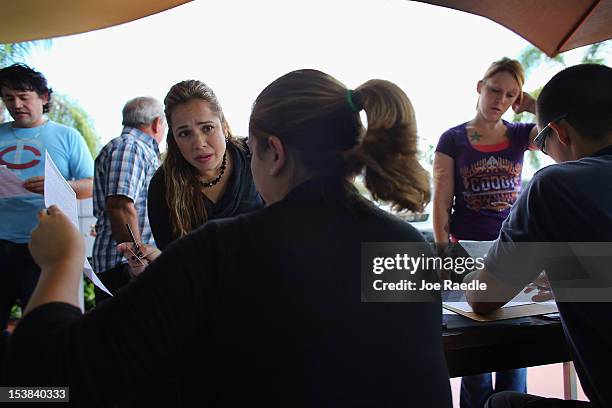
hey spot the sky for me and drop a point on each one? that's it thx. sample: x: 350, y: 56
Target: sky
x: 436, y: 55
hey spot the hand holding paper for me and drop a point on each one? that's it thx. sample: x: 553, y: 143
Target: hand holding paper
x: 57, y: 247
x: 58, y: 192
x: 35, y: 184
x: 56, y: 244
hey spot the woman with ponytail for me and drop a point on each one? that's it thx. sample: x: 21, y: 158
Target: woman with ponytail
x: 322, y: 135
x: 268, y: 308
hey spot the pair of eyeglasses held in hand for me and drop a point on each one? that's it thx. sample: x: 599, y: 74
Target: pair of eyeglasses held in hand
x: 136, y: 252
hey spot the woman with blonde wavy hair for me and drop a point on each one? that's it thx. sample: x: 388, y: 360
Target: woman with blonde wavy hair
x: 477, y: 179
x: 206, y: 170
x: 275, y: 307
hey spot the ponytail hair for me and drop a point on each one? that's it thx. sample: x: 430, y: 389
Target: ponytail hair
x: 388, y: 150
x: 317, y: 119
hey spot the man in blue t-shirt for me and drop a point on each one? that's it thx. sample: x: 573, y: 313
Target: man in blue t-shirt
x: 562, y: 223
x: 23, y: 143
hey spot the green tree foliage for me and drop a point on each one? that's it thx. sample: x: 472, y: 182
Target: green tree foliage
x: 596, y: 53
x: 10, y: 53
x: 67, y: 112
x: 89, y: 294
x: 532, y: 58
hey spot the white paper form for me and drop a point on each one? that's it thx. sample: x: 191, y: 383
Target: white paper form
x: 11, y: 185
x: 513, y: 309
x: 521, y: 299
x: 58, y: 192
x: 465, y: 306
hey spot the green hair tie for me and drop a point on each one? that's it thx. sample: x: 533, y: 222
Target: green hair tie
x: 349, y: 99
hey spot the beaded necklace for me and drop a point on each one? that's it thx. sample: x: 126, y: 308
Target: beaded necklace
x: 207, y: 184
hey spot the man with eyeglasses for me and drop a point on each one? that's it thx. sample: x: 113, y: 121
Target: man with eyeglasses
x: 565, y: 205
x: 540, y: 139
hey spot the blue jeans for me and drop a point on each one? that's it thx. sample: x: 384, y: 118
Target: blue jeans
x: 476, y: 389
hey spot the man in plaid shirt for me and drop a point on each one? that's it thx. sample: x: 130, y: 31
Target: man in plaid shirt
x: 123, y: 170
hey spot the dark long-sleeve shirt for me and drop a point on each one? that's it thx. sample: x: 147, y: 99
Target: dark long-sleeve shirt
x: 262, y: 309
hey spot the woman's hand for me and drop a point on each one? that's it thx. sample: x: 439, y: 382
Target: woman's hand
x: 524, y: 104
x: 56, y: 243
x: 138, y: 264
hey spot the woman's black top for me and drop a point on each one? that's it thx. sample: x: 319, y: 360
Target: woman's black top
x: 239, y: 197
x: 262, y: 309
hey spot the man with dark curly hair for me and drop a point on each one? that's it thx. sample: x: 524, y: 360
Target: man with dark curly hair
x: 23, y: 143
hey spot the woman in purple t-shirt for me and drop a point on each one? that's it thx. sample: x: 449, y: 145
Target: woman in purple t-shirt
x: 477, y: 178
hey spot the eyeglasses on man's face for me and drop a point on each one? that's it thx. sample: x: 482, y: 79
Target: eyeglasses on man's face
x: 540, y: 139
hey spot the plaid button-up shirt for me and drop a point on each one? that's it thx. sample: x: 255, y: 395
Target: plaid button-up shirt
x: 123, y: 167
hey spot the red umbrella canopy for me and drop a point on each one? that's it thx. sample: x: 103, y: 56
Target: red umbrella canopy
x: 26, y: 20
x: 553, y: 26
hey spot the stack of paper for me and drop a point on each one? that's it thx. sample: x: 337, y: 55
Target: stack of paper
x: 58, y: 192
